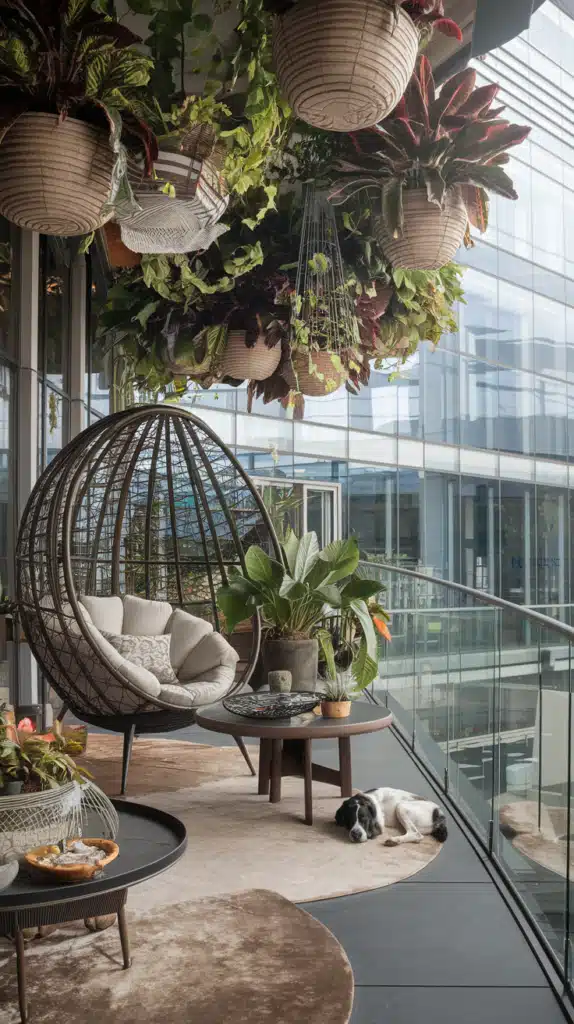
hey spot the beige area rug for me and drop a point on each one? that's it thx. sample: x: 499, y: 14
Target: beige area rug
x: 540, y: 841
x: 242, y: 959
x: 237, y: 839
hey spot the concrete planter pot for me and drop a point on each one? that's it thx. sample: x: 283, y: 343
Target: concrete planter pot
x: 299, y: 657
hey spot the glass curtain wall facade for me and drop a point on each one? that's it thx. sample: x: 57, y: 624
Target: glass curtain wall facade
x: 464, y: 465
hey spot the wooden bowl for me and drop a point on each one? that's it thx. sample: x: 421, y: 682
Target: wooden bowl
x: 72, y: 872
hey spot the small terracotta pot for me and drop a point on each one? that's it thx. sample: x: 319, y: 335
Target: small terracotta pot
x: 335, y: 708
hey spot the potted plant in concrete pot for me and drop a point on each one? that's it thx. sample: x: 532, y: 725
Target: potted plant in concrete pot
x: 72, y: 97
x: 296, y: 596
x: 434, y: 162
x: 344, y: 64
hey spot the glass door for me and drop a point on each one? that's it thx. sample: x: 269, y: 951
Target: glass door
x: 303, y: 507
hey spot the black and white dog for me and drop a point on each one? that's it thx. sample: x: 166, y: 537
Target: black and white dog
x: 365, y: 816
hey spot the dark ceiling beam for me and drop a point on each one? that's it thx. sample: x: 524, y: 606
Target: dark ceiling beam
x: 496, y: 22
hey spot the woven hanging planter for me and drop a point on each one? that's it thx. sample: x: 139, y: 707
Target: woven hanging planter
x: 55, y: 176
x: 431, y: 236
x: 182, y: 223
x: 343, y: 66
x: 302, y: 373
x: 118, y: 254
x: 255, y: 363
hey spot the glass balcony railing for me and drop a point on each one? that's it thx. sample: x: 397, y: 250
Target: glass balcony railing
x: 482, y: 691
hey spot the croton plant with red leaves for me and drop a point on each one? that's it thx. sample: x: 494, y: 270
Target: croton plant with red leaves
x: 427, y: 15
x: 437, y: 141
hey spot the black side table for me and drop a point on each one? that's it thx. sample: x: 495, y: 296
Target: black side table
x: 150, y: 841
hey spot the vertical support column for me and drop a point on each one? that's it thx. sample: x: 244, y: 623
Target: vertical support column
x: 78, y: 331
x: 25, y: 693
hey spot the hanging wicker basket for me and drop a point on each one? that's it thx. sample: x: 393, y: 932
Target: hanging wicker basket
x: 344, y: 66
x: 182, y: 223
x: 118, y: 254
x: 431, y: 236
x: 55, y: 176
x: 255, y: 363
x: 301, y: 374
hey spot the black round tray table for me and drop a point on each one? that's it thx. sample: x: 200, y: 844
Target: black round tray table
x: 150, y: 841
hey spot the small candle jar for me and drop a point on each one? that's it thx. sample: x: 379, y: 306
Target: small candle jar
x: 280, y: 681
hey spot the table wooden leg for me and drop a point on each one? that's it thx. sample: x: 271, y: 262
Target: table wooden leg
x: 124, y: 936
x: 345, y: 766
x: 276, y: 770
x: 21, y: 970
x: 264, y: 767
x: 308, y: 776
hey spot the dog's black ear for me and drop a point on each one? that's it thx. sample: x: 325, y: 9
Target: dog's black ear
x: 340, y: 815
x: 372, y: 824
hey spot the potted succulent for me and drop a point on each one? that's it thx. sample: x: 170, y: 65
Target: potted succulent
x: 72, y: 97
x: 296, y: 596
x: 336, y: 699
x: 435, y: 160
x: 344, y: 64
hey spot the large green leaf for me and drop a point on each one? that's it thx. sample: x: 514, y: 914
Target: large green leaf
x: 331, y: 595
x: 342, y: 558
x: 277, y: 611
x: 293, y: 589
x: 307, y: 555
x: 290, y: 549
x: 362, y: 613
x: 326, y: 642
x: 365, y: 668
x: 261, y: 568
x: 235, y: 605
x: 359, y: 586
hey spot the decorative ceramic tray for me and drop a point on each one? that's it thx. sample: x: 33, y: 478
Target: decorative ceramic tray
x: 272, y: 705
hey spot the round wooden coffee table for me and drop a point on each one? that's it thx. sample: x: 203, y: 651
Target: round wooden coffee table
x: 286, y: 745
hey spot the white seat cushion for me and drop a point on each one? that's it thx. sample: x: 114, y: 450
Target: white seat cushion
x: 211, y: 652
x: 151, y: 652
x: 106, y: 613
x: 177, y: 696
x: 186, y: 632
x: 144, y: 618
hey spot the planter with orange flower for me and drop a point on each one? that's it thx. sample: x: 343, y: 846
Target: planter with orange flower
x: 312, y: 599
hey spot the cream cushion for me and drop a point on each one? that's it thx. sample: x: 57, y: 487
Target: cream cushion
x: 144, y: 618
x: 212, y: 652
x: 106, y: 613
x: 138, y: 676
x: 186, y: 631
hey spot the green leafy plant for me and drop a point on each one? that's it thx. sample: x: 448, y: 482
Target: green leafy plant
x: 437, y: 142
x: 297, y: 595
x: 69, y: 58
x: 38, y: 764
x: 421, y: 310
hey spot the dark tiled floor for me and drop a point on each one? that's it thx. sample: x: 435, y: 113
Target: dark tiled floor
x: 440, y: 947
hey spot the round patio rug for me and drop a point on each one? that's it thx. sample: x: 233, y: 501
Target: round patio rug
x: 252, y: 958
x: 239, y: 840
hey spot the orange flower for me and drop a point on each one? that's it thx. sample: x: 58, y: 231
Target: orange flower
x: 382, y: 628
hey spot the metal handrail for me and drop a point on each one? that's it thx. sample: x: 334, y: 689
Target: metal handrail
x: 479, y: 595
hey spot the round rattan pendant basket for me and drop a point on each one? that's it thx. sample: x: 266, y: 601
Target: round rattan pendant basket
x: 55, y: 176
x: 255, y: 363
x: 301, y: 376
x: 343, y: 66
x: 431, y: 236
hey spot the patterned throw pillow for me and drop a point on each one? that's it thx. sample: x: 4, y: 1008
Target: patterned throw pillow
x: 152, y: 652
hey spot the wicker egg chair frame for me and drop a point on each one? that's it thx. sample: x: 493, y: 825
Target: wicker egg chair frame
x: 148, y: 501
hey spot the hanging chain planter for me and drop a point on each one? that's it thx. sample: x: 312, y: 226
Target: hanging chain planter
x: 324, y: 328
